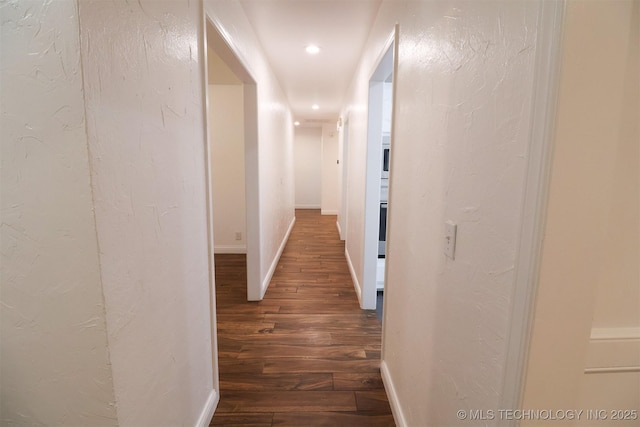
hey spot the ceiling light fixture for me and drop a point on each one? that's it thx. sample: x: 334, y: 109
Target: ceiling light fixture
x: 296, y: 123
x: 315, y: 107
x: 312, y: 49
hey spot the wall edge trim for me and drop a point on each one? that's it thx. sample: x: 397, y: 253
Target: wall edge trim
x: 230, y: 249
x: 620, y: 333
x: 206, y: 415
x: 612, y: 370
x: 534, y: 205
x: 392, y: 395
x: 354, y: 278
x: 276, y: 259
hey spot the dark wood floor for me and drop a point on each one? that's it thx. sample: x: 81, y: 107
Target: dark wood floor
x: 306, y: 355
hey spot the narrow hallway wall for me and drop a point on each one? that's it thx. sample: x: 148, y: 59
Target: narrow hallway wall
x: 108, y: 136
x: 144, y: 94
x: 54, y: 359
x: 461, y: 138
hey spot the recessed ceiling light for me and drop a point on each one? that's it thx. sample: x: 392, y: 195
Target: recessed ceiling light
x: 312, y: 49
x: 315, y: 106
x: 296, y: 123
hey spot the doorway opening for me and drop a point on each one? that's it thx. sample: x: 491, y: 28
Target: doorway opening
x: 232, y: 142
x: 379, y: 149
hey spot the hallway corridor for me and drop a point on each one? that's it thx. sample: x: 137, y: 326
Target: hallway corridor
x: 306, y: 355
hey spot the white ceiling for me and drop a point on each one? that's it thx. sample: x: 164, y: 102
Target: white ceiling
x: 339, y: 27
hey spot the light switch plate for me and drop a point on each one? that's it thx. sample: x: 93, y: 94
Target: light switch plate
x: 451, y: 229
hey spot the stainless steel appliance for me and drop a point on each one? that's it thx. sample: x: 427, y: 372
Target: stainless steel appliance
x: 382, y: 232
x: 384, y: 196
x: 385, y: 156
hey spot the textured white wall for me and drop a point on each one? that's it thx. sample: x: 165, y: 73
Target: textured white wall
x: 463, y: 106
x: 275, y: 134
x: 54, y: 360
x: 226, y: 127
x: 330, y: 171
x: 308, y: 167
x: 144, y: 91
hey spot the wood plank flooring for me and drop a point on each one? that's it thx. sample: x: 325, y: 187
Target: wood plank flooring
x: 306, y: 355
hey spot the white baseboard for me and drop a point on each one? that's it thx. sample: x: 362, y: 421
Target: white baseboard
x: 274, y: 264
x: 339, y: 230
x: 209, y: 408
x: 328, y: 212
x: 354, y: 278
x: 230, y: 249
x: 392, y: 396
x: 307, y: 206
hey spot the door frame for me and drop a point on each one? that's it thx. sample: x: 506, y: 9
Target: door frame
x: 213, y: 37
x: 538, y: 175
x: 216, y: 39
x: 384, y: 65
